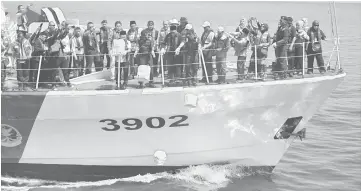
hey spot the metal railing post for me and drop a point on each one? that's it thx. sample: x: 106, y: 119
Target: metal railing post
x: 38, y: 75
x: 255, y: 62
x: 204, y: 65
x: 303, y: 59
x: 118, y: 77
x: 161, y: 65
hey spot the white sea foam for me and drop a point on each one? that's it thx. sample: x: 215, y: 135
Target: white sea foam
x: 201, y: 177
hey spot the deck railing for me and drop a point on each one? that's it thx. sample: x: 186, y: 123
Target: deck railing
x: 201, y: 62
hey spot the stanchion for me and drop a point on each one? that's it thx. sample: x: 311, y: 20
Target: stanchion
x: 255, y: 62
x: 118, y: 84
x: 204, y: 65
x: 162, y: 69
x: 303, y: 59
x: 37, y: 78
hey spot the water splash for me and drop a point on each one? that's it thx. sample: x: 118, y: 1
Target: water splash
x: 203, y: 177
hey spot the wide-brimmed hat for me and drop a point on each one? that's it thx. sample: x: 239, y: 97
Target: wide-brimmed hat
x: 206, y: 24
x: 189, y: 26
x: 173, y: 22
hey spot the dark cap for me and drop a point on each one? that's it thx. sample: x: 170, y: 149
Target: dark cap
x: 283, y: 17
x: 315, y: 23
x: 289, y: 19
x: 123, y: 33
x: 104, y: 21
x: 150, y: 22
x: 183, y: 19
x: 132, y: 23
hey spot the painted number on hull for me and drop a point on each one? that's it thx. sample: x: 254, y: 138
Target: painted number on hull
x: 151, y: 122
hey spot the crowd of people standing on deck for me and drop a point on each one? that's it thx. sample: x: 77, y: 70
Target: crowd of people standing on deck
x: 177, y: 42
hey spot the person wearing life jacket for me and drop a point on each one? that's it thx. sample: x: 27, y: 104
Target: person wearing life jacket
x: 300, y: 38
x: 21, y: 18
x: 77, y: 48
x: 133, y: 35
x: 40, y: 47
x: 280, y: 44
x: 239, y: 29
x: 115, y: 35
x: 22, y: 50
x: 206, y: 47
x: 150, y: 31
x: 291, y: 50
x: 120, y: 49
x: 314, y: 47
x: 103, y: 44
x: 221, y: 46
x: 170, y: 44
x: 162, y: 34
x: 146, y: 55
x: 91, y: 49
x: 241, y: 43
x: 263, y: 41
x: 192, y: 46
x: 5, y: 45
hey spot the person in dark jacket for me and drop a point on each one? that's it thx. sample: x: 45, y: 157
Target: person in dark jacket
x: 170, y: 44
x: 146, y: 55
x: 192, y: 63
x: 314, y: 48
x: 291, y: 50
x: 280, y: 44
x: 103, y: 44
x: 39, y: 50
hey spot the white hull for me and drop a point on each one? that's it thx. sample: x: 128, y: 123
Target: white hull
x: 227, y: 123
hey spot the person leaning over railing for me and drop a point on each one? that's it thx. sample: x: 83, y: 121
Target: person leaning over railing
x: 314, y: 48
x: 298, y: 43
x: 77, y: 48
x: 22, y: 50
x: 221, y: 45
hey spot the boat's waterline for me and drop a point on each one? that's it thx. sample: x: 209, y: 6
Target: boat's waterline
x: 187, y: 126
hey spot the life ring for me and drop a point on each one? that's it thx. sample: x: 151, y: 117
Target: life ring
x: 10, y: 136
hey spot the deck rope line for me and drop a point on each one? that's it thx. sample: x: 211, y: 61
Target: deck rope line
x: 197, y: 63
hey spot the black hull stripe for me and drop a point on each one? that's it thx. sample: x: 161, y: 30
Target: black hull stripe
x: 74, y: 173
x: 54, y: 15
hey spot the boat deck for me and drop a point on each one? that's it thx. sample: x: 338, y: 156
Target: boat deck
x: 11, y: 84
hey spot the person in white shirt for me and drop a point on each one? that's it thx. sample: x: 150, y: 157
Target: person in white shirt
x: 120, y: 49
x: 77, y: 53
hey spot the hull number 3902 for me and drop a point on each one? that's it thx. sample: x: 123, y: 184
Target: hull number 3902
x: 151, y: 122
